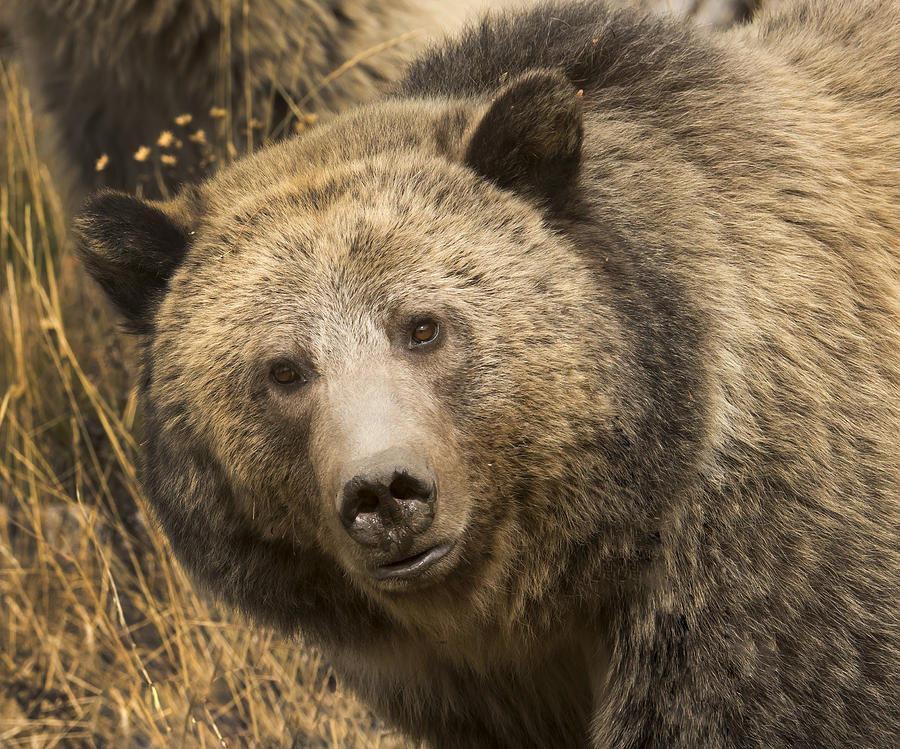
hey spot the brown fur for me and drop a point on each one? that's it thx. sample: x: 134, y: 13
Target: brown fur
x: 663, y: 410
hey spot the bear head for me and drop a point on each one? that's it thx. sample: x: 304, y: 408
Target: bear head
x: 377, y: 373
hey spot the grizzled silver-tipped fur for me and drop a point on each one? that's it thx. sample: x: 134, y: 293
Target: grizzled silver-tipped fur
x: 555, y: 396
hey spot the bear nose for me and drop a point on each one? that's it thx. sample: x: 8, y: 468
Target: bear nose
x: 388, y: 501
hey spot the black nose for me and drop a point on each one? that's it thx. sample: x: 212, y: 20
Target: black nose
x: 389, y: 499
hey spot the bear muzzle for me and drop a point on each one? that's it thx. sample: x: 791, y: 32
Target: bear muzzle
x: 386, y: 506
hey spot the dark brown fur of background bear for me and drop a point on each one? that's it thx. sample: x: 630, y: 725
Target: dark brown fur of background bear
x: 663, y: 409
x: 113, y: 74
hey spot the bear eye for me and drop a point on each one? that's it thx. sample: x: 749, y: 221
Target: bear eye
x: 285, y: 374
x: 424, y: 331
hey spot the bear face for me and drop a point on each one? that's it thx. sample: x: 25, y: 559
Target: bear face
x: 350, y: 327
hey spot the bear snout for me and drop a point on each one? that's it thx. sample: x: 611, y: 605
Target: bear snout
x: 388, y: 500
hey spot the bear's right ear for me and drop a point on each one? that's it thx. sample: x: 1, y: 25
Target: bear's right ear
x: 131, y: 247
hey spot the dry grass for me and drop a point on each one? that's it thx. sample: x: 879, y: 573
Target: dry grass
x: 104, y: 640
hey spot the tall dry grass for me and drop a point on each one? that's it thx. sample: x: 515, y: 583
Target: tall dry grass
x: 104, y: 640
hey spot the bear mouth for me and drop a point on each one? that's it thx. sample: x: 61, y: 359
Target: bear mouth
x: 414, y: 566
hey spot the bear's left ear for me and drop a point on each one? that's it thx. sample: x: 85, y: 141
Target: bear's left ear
x: 132, y: 247
x: 529, y: 140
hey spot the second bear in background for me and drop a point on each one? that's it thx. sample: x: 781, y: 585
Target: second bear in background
x: 113, y: 75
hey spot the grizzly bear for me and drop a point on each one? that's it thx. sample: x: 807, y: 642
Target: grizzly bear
x: 115, y: 74
x: 556, y: 395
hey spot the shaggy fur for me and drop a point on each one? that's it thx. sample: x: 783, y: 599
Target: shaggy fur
x: 663, y: 410
x: 115, y: 73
